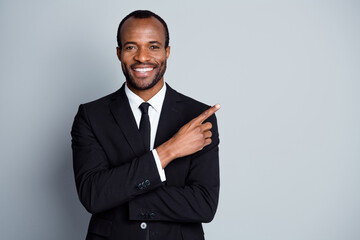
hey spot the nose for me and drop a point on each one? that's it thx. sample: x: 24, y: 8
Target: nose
x: 142, y: 55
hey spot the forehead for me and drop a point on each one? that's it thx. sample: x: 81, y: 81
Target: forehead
x: 137, y: 30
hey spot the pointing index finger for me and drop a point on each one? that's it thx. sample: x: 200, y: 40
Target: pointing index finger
x: 202, y: 117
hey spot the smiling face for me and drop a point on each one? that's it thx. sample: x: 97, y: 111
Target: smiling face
x: 143, y: 54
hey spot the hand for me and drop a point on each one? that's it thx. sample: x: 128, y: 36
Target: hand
x: 194, y: 135
x: 191, y: 138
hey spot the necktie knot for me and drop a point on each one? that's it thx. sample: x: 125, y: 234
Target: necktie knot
x: 144, y: 107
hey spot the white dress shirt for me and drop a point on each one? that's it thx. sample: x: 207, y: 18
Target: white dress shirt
x: 154, y: 111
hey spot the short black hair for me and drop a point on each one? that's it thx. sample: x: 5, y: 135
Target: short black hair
x: 143, y: 14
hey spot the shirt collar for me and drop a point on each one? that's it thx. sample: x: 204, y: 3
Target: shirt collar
x: 156, y: 101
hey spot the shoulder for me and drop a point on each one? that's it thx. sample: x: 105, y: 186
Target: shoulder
x: 191, y: 107
x: 186, y: 100
x: 102, y: 104
x: 192, y: 104
x: 105, y: 100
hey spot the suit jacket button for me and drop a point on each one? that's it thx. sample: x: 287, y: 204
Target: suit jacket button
x: 140, y: 186
x: 143, y: 225
x: 147, y: 182
x: 152, y: 215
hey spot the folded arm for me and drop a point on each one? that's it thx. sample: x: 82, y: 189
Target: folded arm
x: 195, y: 202
x: 102, y: 187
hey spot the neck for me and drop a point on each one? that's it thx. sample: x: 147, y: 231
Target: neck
x: 147, y: 94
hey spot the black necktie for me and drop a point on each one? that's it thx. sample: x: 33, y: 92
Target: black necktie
x: 145, y: 124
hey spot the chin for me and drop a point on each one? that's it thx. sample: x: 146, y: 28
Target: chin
x: 142, y: 85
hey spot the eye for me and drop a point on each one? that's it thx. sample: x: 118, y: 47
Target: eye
x: 154, y: 47
x: 129, y: 47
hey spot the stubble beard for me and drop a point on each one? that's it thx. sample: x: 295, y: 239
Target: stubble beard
x: 131, y: 81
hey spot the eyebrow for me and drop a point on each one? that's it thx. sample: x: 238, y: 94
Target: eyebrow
x: 129, y: 43
x: 151, y: 42
x: 155, y: 42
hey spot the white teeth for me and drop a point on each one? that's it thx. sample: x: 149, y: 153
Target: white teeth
x: 143, y: 69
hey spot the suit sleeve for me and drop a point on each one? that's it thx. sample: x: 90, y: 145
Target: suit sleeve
x: 196, y: 201
x: 101, y: 187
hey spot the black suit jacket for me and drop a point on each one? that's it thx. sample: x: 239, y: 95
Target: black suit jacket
x: 117, y: 179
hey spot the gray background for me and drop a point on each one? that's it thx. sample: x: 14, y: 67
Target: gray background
x: 286, y: 73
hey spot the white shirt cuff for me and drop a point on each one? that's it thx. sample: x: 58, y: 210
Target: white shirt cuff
x: 158, y: 165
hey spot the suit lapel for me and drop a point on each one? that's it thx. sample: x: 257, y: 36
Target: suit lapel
x: 124, y: 117
x: 170, y: 118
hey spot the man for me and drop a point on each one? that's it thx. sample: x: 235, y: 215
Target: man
x: 146, y: 157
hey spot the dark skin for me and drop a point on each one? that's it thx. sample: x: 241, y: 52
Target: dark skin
x: 143, y: 47
x: 143, y: 59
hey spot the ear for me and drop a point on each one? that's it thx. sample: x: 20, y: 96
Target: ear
x: 167, y: 52
x: 118, y: 53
